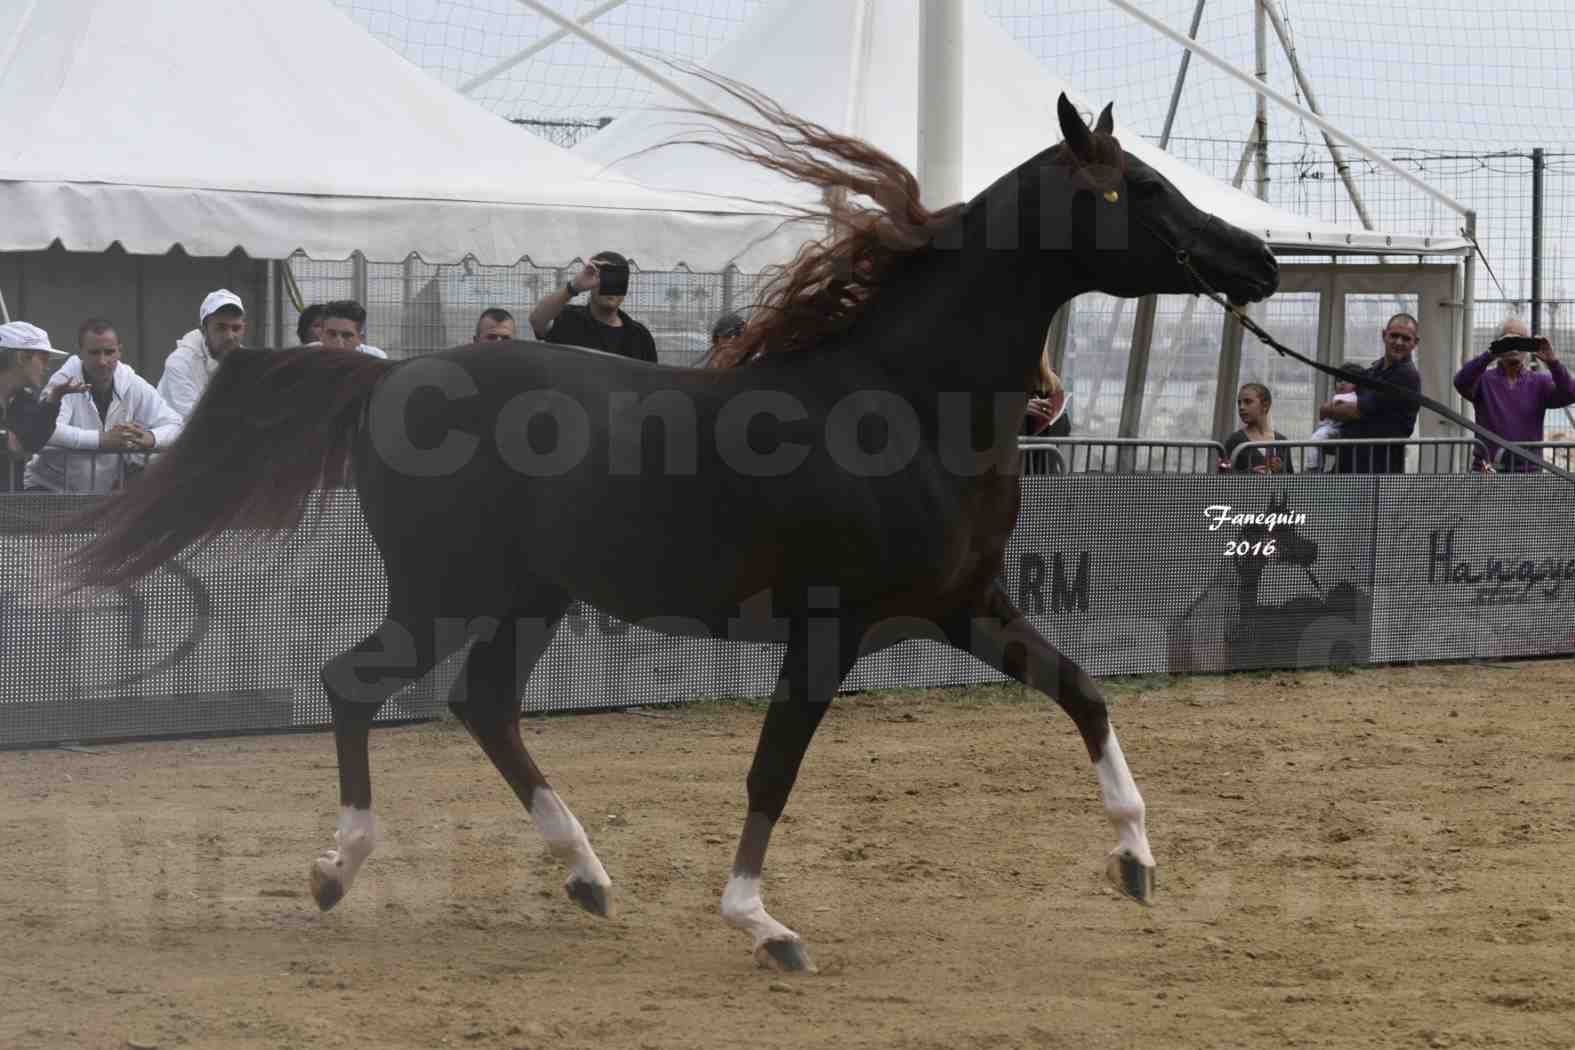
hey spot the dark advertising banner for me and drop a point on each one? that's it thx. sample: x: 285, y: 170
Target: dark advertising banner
x: 1480, y: 566
x: 1127, y: 574
x: 1133, y: 574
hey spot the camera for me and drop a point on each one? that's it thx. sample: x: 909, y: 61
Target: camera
x: 614, y: 280
x: 1513, y: 344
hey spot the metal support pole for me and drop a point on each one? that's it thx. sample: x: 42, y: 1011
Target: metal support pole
x: 1225, y: 379
x: 1289, y: 105
x: 358, y: 278
x: 940, y: 76
x: 1181, y: 76
x: 535, y: 49
x: 1107, y: 351
x: 1260, y: 122
x: 277, y: 294
x: 1537, y: 165
x: 1335, y: 152
x: 1468, y: 307
x: 617, y: 54
x: 1246, y: 157
x: 1137, y: 366
x: 1055, y: 340
x: 1133, y: 394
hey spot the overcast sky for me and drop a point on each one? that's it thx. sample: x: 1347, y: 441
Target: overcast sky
x: 1406, y: 76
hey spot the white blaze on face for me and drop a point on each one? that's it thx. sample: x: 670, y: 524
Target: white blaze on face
x: 566, y: 838
x: 743, y: 909
x: 1123, y: 803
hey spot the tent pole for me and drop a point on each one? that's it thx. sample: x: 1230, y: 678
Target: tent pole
x: 1260, y: 39
x: 1290, y: 105
x: 1335, y: 152
x: 1469, y: 299
x: 1181, y: 76
x: 940, y: 76
x: 1148, y: 307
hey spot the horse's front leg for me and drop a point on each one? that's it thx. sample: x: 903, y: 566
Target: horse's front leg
x: 1002, y: 638
x: 818, y: 655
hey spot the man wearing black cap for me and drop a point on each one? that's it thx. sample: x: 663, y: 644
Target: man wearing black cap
x: 601, y: 324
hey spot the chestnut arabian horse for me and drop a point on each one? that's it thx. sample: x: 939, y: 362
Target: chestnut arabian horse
x: 852, y: 486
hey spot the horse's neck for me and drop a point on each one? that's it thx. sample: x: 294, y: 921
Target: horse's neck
x: 966, y: 320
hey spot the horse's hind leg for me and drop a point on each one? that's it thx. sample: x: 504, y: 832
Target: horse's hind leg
x: 817, y: 658
x: 1001, y: 637
x: 358, y: 682
x: 486, y: 697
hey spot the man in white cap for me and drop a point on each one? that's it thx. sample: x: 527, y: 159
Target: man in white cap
x: 120, y: 412
x: 221, y: 324
x: 26, y: 419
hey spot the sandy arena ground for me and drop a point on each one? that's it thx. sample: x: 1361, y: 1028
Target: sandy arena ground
x: 1378, y: 858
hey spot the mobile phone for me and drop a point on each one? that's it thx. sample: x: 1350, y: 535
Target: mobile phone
x: 614, y: 281
x: 1513, y: 344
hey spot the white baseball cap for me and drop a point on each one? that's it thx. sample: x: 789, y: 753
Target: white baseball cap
x: 217, y: 301
x: 19, y: 335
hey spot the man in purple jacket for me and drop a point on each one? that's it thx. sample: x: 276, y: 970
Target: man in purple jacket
x: 1510, y: 400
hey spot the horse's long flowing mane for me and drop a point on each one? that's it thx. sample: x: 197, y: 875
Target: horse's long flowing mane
x: 830, y: 281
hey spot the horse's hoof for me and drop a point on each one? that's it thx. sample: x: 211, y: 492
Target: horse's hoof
x: 593, y: 898
x: 1130, y: 875
x: 784, y: 955
x: 327, y: 890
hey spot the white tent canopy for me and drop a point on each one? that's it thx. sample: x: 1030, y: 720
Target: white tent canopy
x: 223, y: 124
x: 852, y: 67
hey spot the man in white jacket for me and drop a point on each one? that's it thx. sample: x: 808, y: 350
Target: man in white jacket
x: 119, y: 412
x: 221, y: 325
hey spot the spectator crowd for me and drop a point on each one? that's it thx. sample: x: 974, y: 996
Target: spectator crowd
x: 92, y: 424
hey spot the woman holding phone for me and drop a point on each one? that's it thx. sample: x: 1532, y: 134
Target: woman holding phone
x: 1047, y: 415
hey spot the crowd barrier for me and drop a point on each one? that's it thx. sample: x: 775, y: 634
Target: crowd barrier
x: 1128, y: 573
x: 1422, y: 455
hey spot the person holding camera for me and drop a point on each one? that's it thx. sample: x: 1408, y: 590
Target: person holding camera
x: 1511, y: 399
x: 601, y: 323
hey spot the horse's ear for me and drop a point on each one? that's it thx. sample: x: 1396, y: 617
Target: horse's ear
x: 1073, y: 129
x: 1107, y: 120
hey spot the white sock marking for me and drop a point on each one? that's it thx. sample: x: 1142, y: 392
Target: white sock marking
x: 355, y: 838
x: 742, y: 908
x: 1123, y: 803
x: 566, y: 838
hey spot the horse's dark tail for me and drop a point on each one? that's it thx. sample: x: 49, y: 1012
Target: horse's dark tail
x: 272, y: 425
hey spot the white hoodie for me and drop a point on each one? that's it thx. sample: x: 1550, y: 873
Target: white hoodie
x: 79, y: 426
x: 186, y: 372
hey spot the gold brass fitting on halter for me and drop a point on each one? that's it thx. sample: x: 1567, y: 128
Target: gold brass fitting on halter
x: 1111, y: 196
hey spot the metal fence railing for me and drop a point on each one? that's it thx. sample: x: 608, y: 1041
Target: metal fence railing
x: 1422, y: 455
x: 100, y: 472
x: 1043, y: 455
x: 84, y: 470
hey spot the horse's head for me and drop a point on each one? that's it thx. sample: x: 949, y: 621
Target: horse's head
x: 1133, y: 232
